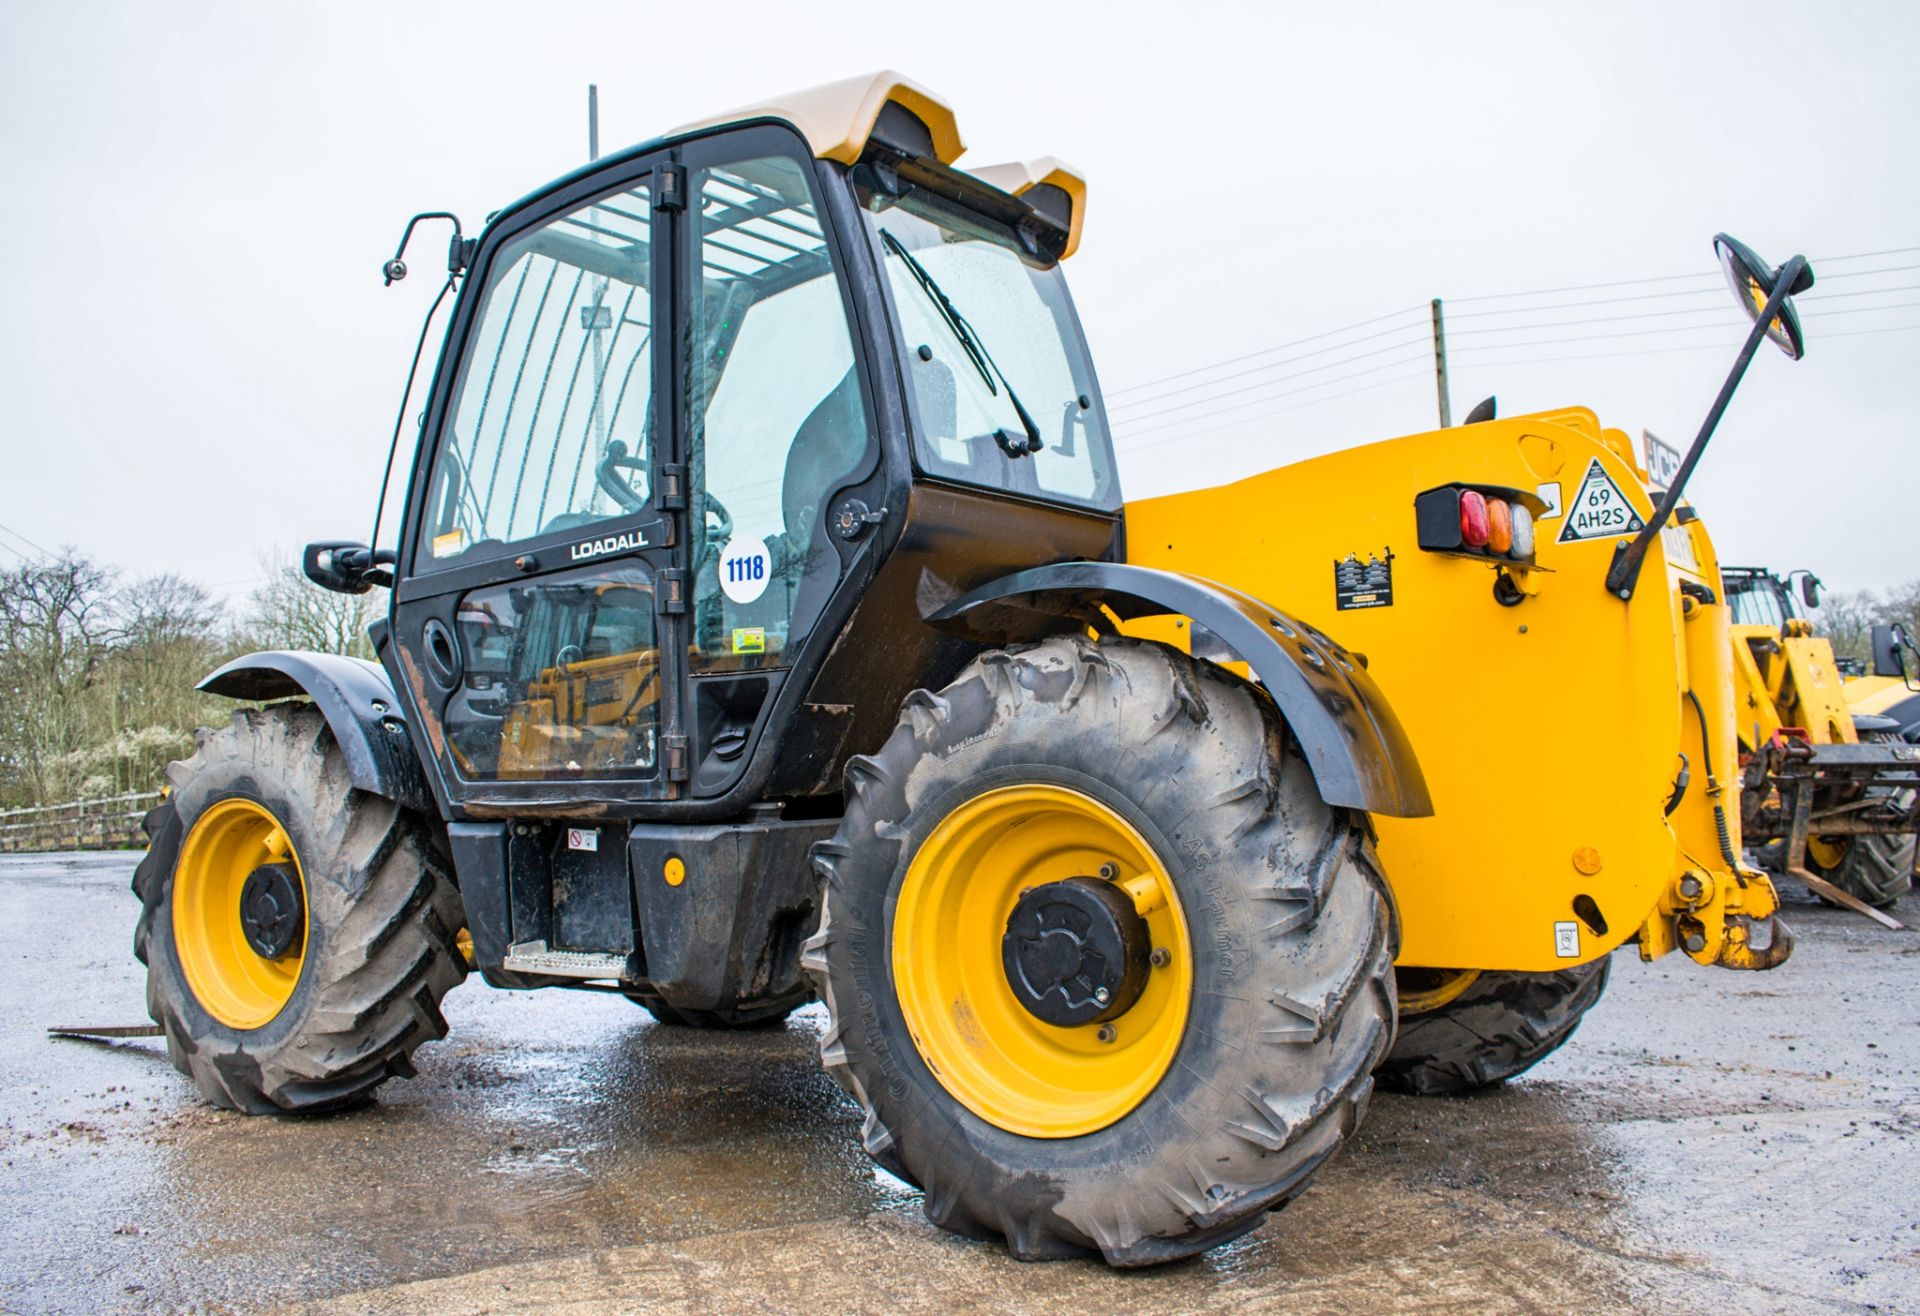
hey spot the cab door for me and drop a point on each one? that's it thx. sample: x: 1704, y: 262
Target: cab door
x: 538, y: 622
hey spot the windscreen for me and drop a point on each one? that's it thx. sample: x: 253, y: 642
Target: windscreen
x: 1003, y: 391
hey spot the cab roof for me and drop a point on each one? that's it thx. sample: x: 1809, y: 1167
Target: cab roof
x: 838, y: 121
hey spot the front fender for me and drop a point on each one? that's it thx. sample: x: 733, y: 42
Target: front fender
x: 1359, y: 754
x: 357, y: 700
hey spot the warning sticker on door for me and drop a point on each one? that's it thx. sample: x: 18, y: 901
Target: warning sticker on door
x: 1599, y: 510
x: 1566, y: 940
x: 1368, y: 584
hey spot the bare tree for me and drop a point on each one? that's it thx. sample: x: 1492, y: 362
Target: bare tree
x: 1846, y: 618
x: 291, y: 612
x: 56, y: 626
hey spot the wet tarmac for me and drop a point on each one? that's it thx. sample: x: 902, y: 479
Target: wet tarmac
x: 1708, y: 1140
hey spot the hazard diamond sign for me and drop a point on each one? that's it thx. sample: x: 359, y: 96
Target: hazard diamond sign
x: 1599, y: 510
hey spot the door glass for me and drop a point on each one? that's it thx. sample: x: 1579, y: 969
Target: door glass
x: 560, y: 679
x: 551, y: 430
x: 778, y: 422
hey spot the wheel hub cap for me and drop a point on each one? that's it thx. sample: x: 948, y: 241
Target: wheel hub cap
x: 271, y: 914
x: 1075, y: 952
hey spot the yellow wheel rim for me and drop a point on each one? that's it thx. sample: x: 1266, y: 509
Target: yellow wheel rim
x: 233, y: 982
x: 1828, y: 854
x: 1422, y: 990
x: 998, y: 1060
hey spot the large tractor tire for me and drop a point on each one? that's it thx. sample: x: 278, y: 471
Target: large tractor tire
x: 1877, y: 870
x: 1103, y: 970
x: 768, y: 1014
x: 1481, y: 1028
x: 298, y: 934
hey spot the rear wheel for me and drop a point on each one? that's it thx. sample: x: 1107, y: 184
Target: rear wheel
x: 1101, y: 967
x: 1462, y: 1029
x: 298, y: 934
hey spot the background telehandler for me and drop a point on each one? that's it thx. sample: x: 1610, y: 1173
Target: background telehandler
x: 1830, y: 775
x: 767, y: 622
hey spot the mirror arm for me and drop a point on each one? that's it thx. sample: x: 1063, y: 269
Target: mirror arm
x: 1624, y: 574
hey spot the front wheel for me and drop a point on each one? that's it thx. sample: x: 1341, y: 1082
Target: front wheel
x: 298, y: 934
x: 1103, y: 970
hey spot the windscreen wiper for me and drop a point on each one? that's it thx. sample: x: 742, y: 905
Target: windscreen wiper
x: 970, y: 343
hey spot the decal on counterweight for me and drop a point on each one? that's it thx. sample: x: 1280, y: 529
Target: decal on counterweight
x: 1368, y: 584
x: 1599, y: 510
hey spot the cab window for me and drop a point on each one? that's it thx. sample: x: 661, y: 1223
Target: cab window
x: 982, y: 323
x: 551, y: 429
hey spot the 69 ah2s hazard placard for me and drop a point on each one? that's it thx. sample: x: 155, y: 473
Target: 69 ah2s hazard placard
x: 1599, y: 510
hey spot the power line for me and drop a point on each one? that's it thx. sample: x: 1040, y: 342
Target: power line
x: 1277, y: 411
x: 1862, y: 292
x: 1596, y: 356
x: 28, y: 542
x: 1273, y: 365
x: 1664, y: 278
x: 1863, y: 310
x: 1238, y: 406
x: 1265, y: 351
x: 1401, y: 346
x: 1865, y: 255
x: 1653, y: 351
x: 1716, y: 309
x: 1212, y: 394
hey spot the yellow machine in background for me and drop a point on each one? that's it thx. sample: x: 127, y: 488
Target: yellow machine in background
x: 1830, y: 782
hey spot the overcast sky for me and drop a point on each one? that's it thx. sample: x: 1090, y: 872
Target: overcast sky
x: 198, y: 360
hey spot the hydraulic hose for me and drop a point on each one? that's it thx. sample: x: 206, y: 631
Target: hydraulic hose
x: 1713, y: 788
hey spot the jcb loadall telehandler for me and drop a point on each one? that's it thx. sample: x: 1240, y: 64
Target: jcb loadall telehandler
x: 764, y: 511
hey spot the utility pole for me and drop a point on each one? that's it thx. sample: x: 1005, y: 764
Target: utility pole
x: 1440, y: 365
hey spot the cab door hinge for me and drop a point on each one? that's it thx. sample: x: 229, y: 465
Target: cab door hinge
x: 670, y: 591
x: 669, y: 187
x: 674, y: 746
x: 673, y: 486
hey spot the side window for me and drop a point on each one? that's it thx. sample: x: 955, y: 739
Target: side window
x: 551, y: 430
x: 778, y: 422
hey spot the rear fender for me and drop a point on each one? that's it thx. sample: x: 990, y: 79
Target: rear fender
x: 1359, y: 755
x: 357, y: 700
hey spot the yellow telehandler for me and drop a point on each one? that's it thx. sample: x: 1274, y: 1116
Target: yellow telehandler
x: 1831, y: 790
x: 767, y: 622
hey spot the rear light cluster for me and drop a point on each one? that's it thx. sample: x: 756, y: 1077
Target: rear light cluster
x: 1487, y: 521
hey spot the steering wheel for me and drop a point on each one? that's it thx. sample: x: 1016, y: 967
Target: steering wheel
x: 720, y: 519
x: 565, y: 659
x: 616, y: 459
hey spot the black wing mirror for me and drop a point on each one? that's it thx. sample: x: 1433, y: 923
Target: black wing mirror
x: 1810, y: 589
x: 346, y: 567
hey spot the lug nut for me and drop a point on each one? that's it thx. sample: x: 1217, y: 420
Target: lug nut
x: 1109, y: 871
x: 1107, y: 1033
x: 1160, y: 958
